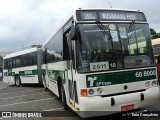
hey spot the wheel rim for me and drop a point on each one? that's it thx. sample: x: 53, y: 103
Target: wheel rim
x: 17, y: 81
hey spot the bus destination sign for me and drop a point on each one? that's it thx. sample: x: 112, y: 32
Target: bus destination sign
x: 117, y: 16
x: 110, y: 15
x: 88, y: 15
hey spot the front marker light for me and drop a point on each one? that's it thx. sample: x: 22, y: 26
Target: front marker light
x: 91, y: 91
x: 147, y: 84
x: 99, y: 90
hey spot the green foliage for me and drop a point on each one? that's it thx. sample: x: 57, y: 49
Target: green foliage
x: 154, y: 34
x: 1, y: 61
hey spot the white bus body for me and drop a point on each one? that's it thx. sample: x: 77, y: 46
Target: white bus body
x: 101, y: 60
x: 23, y: 67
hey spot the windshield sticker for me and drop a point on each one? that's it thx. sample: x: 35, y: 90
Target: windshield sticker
x: 99, y: 66
x: 123, y: 32
x: 112, y: 27
x: 137, y: 61
x: 114, y: 35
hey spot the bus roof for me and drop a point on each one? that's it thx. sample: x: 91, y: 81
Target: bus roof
x: 120, y: 9
x: 20, y: 53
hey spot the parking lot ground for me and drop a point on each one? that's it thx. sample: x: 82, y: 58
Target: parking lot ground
x: 33, y: 98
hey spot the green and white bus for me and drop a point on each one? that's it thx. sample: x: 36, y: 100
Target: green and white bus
x: 23, y: 67
x: 101, y: 60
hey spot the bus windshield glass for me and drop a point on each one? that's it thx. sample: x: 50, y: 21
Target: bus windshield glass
x: 113, y: 46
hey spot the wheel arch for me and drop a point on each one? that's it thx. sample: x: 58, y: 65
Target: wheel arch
x: 16, y: 76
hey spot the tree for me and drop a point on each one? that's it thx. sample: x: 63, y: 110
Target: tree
x: 1, y: 61
x: 154, y: 34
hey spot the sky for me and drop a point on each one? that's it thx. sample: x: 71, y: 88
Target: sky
x: 29, y: 22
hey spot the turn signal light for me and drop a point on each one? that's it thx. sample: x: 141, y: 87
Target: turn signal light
x: 84, y: 92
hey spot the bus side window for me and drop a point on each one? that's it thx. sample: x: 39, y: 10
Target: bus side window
x: 5, y: 64
x: 9, y: 65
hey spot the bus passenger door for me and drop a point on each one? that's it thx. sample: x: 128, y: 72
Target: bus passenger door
x: 70, y: 80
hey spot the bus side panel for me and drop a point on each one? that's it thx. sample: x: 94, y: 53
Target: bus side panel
x: 8, y: 77
x: 53, y: 71
x: 27, y: 74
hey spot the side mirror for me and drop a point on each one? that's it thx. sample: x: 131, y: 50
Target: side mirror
x: 73, y: 34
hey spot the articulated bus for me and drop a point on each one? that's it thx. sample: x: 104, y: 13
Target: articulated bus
x: 101, y: 60
x: 23, y: 67
x: 156, y: 48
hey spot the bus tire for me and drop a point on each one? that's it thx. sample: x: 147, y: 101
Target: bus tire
x: 66, y: 107
x: 17, y: 81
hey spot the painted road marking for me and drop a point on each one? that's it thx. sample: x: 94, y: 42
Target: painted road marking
x: 15, y: 88
x: 54, y: 109
x: 21, y: 91
x: 4, y: 87
x: 27, y: 102
x: 23, y: 95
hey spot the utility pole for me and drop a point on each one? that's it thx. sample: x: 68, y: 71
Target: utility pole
x: 109, y: 4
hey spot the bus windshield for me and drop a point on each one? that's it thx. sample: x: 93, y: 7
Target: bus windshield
x: 113, y: 46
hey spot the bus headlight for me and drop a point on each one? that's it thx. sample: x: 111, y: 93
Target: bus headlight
x: 147, y: 84
x: 91, y: 91
x: 154, y: 83
x: 99, y: 90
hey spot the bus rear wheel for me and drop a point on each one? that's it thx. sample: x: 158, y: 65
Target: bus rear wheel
x: 63, y: 98
x: 17, y: 81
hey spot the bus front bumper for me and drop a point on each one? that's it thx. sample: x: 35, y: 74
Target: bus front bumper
x: 98, y: 106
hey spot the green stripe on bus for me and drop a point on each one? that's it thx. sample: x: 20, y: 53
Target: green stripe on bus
x: 105, y: 79
x: 9, y: 74
x: 28, y: 72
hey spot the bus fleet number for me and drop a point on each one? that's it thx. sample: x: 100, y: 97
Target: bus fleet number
x: 99, y: 66
x: 145, y: 73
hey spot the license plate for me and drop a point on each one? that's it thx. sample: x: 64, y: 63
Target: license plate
x: 127, y: 107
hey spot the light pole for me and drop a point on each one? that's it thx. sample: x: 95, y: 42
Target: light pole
x: 109, y: 4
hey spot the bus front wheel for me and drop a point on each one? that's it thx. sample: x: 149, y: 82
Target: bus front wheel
x: 17, y: 81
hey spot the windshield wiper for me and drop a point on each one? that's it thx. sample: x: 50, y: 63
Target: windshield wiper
x: 102, y: 27
x: 131, y: 26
